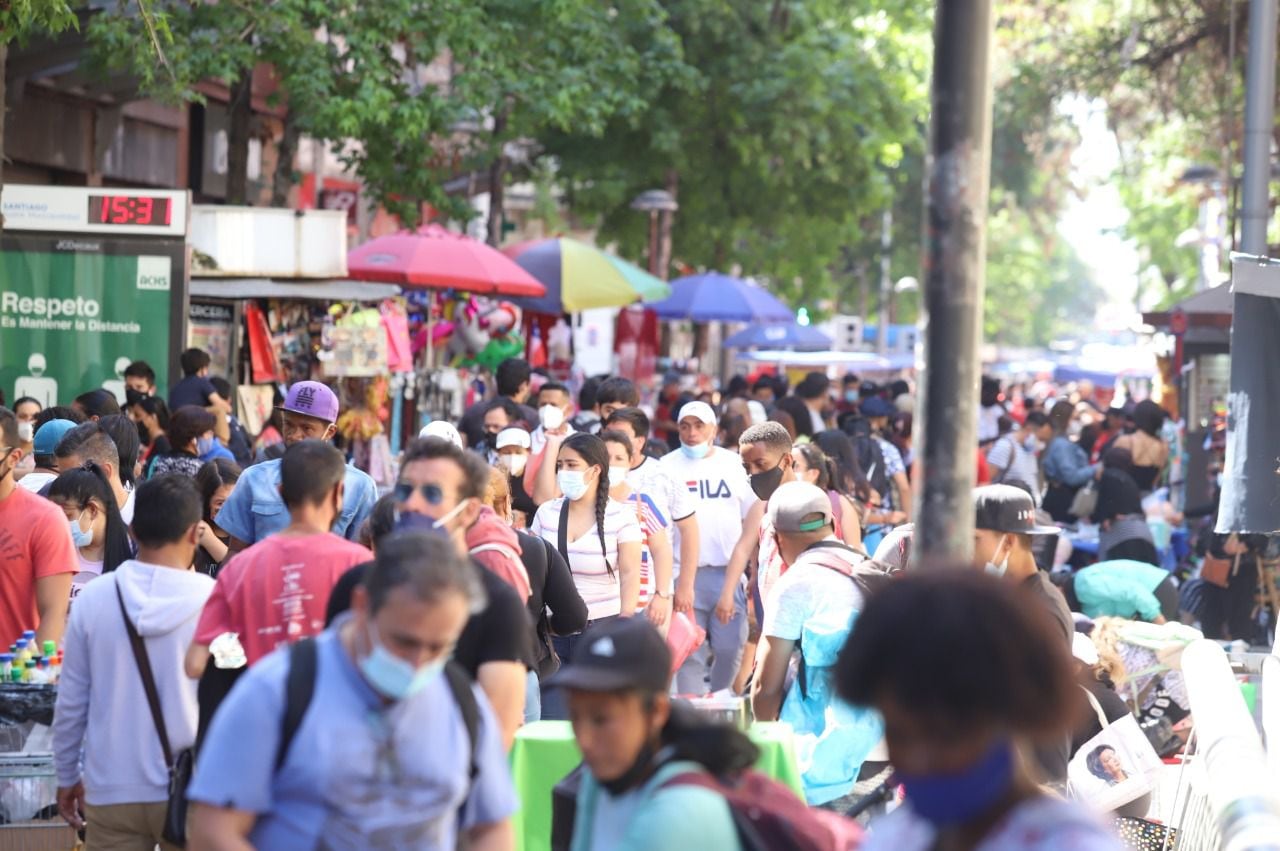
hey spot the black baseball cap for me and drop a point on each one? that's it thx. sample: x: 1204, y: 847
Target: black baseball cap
x: 618, y: 655
x: 1004, y: 508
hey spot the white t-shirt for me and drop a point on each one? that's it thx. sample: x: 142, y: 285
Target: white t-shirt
x: 1040, y: 824
x: 796, y: 595
x: 591, y: 575
x: 87, y: 572
x: 35, y: 481
x: 722, y: 494
x: 1018, y: 464
x: 126, y: 510
x: 653, y: 480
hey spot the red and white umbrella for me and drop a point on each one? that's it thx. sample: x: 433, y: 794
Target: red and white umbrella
x: 436, y: 258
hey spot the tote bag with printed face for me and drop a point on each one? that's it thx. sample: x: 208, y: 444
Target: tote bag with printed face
x: 1115, y: 767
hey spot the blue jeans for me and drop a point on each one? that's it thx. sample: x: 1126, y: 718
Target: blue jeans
x: 713, y: 666
x: 532, y: 699
x: 554, y: 705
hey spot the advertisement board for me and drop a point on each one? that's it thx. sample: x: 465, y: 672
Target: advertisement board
x: 76, y: 310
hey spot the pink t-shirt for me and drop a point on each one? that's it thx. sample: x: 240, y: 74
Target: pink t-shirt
x: 35, y: 542
x: 275, y: 592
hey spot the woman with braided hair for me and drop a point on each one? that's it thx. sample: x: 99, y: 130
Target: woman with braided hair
x: 599, y: 537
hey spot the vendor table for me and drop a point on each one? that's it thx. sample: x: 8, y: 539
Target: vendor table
x: 545, y: 751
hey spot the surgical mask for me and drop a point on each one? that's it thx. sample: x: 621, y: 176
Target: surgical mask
x: 764, y: 484
x: 26, y: 431
x: 392, y: 676
x: 944, y: 800
x: 204, y: 446
x: 512, y: 465
x: 79, y: 536
x: 572, y: 483
x: 851, y: 395
x: 997, y: 569
x: 551, y: 417
x: 617, y: 475
x: 695, y: 452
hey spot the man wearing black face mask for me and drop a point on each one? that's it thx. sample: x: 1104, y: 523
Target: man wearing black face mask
x: 765, y: 450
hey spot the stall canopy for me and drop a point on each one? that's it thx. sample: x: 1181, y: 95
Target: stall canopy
x: 580, y: 276
x: 715, y: 297
x: 436, y: 258
x: 1208, y: 318
x: 789, y: 336
x: 238, y: 288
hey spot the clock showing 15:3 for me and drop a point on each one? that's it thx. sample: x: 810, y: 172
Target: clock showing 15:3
x: 129, y: 210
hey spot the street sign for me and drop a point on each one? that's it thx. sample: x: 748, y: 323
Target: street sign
x: 1178, y: 322
x: 75, y: 209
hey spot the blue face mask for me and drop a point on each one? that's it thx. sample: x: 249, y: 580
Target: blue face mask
x: 204, y: 446
x: 949, y: 799
x: 572, y: 483
x: 695, y: 452
x: 80, y: 537
x: 392, y: 676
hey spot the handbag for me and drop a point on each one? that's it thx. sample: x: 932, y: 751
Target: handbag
x: 181, y: 766
x: 683, y: 637
x: 1085, y: 502
x: 1218, y: 571
x: 1115, y: 767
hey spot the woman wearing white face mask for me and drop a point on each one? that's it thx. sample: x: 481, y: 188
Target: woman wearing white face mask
x: 512, y: 447
x: 601, y: 541
x: 98, y: 531
x: 655, y: 553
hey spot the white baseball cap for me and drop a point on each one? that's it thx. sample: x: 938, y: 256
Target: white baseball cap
x: 698, y: 410
x: 443, y: 430
x: 513, y: 437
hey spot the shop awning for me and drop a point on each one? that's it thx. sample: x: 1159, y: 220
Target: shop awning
x: 238, y: 288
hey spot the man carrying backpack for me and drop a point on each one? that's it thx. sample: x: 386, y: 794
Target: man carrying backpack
x: 366, y: 737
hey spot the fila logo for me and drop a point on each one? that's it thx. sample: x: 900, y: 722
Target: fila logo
x: 706, y: 490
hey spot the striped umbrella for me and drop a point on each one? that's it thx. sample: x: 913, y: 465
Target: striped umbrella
x: 580, y: 276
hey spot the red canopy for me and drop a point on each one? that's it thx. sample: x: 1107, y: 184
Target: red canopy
x: 438, y: 258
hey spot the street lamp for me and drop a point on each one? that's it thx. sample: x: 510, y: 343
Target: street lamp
x: 655, y: 202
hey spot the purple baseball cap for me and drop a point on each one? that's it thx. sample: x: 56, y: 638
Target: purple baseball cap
x: 312, y: 399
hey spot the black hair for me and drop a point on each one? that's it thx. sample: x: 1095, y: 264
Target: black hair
x: 141, y: 369
x: 1066, y: 582
x: 213, y: 475
x: 732, y: 427
x: 511, y: 373
x: 1148, y: 417
x: 587, y: 395
x: 9, y: 428
x: 156, y: 407
x: 124, y: 434
x: 514, y: 415
x: 736, y: 387
x: 814, y: 386
x: 428, y: 565
x: 381, y: 521
x: 782, y: 418
x: 615, y: 436
x: 816, y: 459
x: 309, y: 472
x: 222, y: 386
x: 595, y: 454
x: 554, y: 386
x: 88, y: 441
x: 1118, y: 458
x: 898, y: 388
x: 58, y: 412
x: 164, y: 508
x: 194, y: 360
x: 475, y: 471
x: 848, y: 477
x: 98, y: 403
x: 764, y: 382
x: 634, y: 417
x: 1004, y: 664
x: 618, y: 390
x: 799, y: 412
x: 720, y: 748
x: 1036, y: 419
x: 187, y: 424
x: 26, y: 400
x: 1094, y: 763
x: 89, y: 482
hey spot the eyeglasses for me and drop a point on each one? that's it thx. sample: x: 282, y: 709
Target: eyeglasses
x: 431, y: 493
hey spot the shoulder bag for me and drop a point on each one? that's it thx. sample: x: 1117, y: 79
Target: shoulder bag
x: 180, y: 767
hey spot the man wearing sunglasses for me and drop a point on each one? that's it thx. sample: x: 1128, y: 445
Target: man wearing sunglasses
x: 37, y: 557
x: 255, y: 510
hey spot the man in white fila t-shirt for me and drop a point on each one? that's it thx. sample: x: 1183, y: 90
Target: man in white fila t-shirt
x: 722, y: 493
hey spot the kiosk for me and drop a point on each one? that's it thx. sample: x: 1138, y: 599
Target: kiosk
x: 91, y: 279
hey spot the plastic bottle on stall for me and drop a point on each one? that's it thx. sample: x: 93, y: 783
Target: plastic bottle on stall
x: 15, y: 675
x: 56, y: 667
x: 49, y: 648
x: 28, y: 670
x: 6, y: 665
x: 41, y: 673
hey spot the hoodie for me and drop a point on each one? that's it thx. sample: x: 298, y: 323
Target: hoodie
x: 493, y: 543
x: 102, y: 707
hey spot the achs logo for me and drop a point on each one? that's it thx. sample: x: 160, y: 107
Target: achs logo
x: 153, y: 273
x: 705, y: 489
x: 306, y: 397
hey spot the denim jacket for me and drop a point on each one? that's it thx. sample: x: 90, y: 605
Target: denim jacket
x: 1066, y: 463
x: 255, y: 509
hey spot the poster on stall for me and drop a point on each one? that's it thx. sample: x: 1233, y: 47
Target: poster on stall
x: 75, y: 312
x: 355, y: 351
x: 210, y: 327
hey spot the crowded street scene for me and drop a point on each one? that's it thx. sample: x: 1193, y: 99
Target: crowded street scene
x: 561, y: 426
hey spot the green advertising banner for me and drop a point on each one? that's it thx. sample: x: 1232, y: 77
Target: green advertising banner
x: 75, y: 312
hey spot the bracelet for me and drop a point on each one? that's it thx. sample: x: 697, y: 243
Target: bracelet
x: 662, y: 596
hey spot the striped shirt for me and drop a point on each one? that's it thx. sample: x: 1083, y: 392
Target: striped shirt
x: 596, y: 580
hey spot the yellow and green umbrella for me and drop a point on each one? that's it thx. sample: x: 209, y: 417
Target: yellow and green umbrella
x: 580, y: 276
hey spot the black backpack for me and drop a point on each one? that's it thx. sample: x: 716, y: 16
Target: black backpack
x: 300, y: 685
x: 870, y: 455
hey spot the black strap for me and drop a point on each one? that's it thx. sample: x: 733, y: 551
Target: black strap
x: 562, y: 536
x: 148, y: 679
x: 299, y: 687
x: 460, y: 684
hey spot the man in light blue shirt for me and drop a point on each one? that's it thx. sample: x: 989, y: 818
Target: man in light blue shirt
x: 255, y: 509
x: 383, y: 757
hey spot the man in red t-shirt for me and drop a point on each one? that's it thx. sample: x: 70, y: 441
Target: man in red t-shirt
x: 37, y: 557
x: 275, y: 592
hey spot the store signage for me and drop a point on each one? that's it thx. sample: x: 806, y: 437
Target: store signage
x: 72, y: 209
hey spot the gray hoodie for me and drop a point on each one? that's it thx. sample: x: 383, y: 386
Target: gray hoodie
x: 102, y: 707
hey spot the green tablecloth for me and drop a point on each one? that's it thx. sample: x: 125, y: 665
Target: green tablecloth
x: 544, y: 752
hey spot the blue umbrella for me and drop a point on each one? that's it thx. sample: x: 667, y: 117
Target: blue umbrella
x: 790, y: 336
x: 713, y: 297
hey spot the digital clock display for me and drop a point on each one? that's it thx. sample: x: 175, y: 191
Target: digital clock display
x: 129, y: 210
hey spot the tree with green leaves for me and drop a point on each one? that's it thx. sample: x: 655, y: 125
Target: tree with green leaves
x: 19, y: 20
